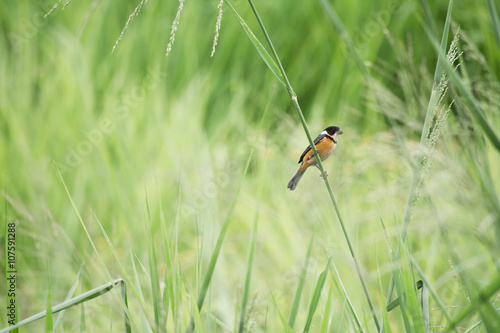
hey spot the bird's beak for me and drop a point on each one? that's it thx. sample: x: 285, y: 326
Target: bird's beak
x: 340, y: 131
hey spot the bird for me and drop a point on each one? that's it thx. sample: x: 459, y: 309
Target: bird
x: 325, y: 145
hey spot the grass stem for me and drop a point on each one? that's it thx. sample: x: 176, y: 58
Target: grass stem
x: 295, y: 102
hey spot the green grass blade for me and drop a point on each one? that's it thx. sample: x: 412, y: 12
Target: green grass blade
x: 258, y: 45
x: 441, y: 54
x: 490, y: 317
x: 496, y: 21
x: 425, y: 307
x: 85, y: 297
x: 153, y: 269
x: 177, y: 281
x: 411, y: 299
x: 83, y: 327
x: 136, y: 275
x: 79, y: 216
x: 246, y: 289
x: 473, y: 327
x: 316, y: 296
x: 399, y: 284
x: 222, y: 234
x: 286, y: 327
x: 385, y: 327
x: 69, y: 295
x: 169, y: 290
x: 49, y: 326
x: 137, y: 284
x: 300, y: 286
x: 181, y: 316
x: 343, y: 294
x: 327, y: 317
x: 174, y: 281
x: 196, y: 316
x: 199, y: 264
x: 392, y: 305
x: 123, y: 294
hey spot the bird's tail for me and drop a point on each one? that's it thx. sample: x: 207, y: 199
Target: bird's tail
x: 292, y: 184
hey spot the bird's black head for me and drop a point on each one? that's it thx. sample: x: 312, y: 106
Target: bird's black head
x: 332, y: 130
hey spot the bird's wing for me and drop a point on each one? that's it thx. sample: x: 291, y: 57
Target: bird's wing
x: 316, y: 141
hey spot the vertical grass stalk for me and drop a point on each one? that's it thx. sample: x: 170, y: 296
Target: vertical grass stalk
x: 316, y: 296
x: 49, y: 326
x: 354, y: 318
x: 302, y: 279
x: 153, y: 272
x: 295, y: 102
x: 327, y: 314
x: 246, y: 289
x: 286, y: 327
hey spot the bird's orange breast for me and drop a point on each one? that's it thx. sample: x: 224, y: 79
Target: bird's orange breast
x: 325, y: 148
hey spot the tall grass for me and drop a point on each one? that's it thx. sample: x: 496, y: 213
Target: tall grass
x: 424, y: 158
x: 293, y: 97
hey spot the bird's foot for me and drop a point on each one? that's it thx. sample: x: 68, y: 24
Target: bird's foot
x: 313, y: 155
x: 324, y: 175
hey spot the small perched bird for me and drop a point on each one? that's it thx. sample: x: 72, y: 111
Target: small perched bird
x: 325, y: 144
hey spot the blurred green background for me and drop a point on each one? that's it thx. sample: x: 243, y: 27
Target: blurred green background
x: 125, y: 127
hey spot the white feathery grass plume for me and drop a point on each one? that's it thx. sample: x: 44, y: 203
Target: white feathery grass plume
x: 440, y: 112
x: 53, y: 8
x: 174, y: 26
x: 130, y: 18
x: 217, y: 27
x: 66, y: 4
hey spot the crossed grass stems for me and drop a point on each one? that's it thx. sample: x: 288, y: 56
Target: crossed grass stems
x: 445, y: 71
